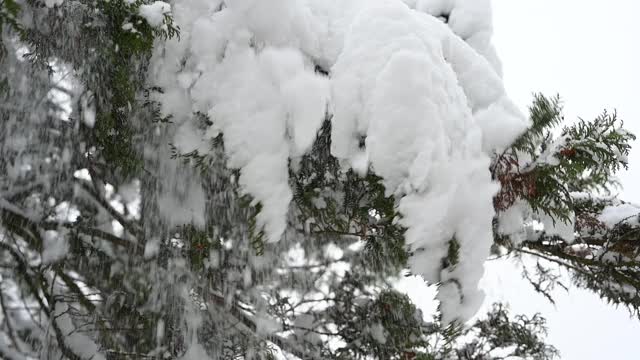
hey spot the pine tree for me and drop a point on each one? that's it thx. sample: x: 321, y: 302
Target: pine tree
x: 119, y: 242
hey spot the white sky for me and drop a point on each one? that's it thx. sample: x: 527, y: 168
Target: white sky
x: 585, y: 50
x: 588, y: 52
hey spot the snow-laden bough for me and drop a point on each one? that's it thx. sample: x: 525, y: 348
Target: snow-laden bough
x: 425, y: 94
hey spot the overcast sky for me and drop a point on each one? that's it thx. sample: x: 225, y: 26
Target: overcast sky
x: 588, y: 52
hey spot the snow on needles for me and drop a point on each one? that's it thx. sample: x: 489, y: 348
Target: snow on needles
x: 430, y: 106
x: 154, y: 13
x: 618, y: 214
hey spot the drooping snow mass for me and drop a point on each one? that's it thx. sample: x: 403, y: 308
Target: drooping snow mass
x: 429, y: 105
